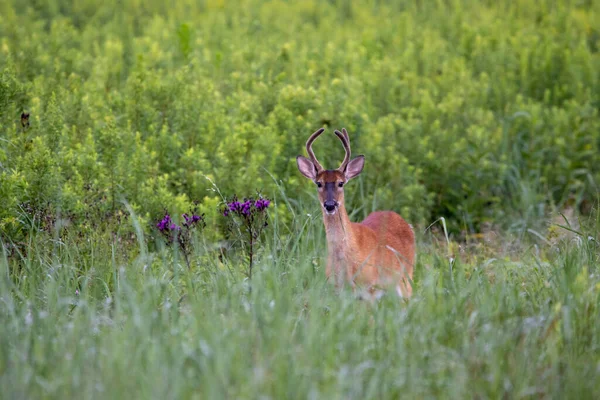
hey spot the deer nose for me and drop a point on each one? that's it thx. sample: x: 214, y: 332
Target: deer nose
x: 330, y: 205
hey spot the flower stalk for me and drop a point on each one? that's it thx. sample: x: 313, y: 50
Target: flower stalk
x: 182, y: 235
x: 247, y: 220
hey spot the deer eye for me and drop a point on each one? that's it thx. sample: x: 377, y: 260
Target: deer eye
x: 319, y: 184
x: 341, y: 184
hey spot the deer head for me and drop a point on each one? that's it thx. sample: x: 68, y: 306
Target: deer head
x: 330, y: 183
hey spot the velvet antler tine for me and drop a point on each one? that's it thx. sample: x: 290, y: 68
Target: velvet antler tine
x: 310, y: 151
x: 346, y: 143
x: 345, y: 132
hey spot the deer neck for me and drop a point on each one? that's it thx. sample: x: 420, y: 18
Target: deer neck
x: 338, y: 231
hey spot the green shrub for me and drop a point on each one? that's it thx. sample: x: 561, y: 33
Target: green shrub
x: 454, y: 105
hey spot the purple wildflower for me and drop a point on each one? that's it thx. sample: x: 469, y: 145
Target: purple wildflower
x: 165, y: 223
x: 191, y: 220
x: 262, y: 204
x: 235, y: 206
x: 246, y: 207
x: 247, y: 220
x: 181, y: 235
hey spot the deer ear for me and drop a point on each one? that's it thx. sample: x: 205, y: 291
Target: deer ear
x: 354, y: 167
x: 306, y: 167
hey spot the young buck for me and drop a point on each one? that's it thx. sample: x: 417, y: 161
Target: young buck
x: 377, y: 252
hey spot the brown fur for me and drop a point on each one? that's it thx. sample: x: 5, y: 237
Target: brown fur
x: 378, y: 252
x: 359, y: 253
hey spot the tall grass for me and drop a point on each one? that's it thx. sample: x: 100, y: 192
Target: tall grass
x: 450, y: 101
x: 516, y: 325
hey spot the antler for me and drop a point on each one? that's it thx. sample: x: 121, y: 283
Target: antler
x: 346, y: 142
x: 309, y: 149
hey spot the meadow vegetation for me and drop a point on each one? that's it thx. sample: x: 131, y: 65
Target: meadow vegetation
x: 479, y: 117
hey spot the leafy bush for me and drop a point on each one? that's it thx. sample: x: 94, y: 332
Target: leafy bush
x: 454, y: 105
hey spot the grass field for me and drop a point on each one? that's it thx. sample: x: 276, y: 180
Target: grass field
x: 515, y: 321
x: 480, y: 125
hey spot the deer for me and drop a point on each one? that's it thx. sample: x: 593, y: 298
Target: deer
x: 370, y: 255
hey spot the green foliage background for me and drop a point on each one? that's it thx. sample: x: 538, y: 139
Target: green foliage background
x: 485, y: 113
x: 476, y: 111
